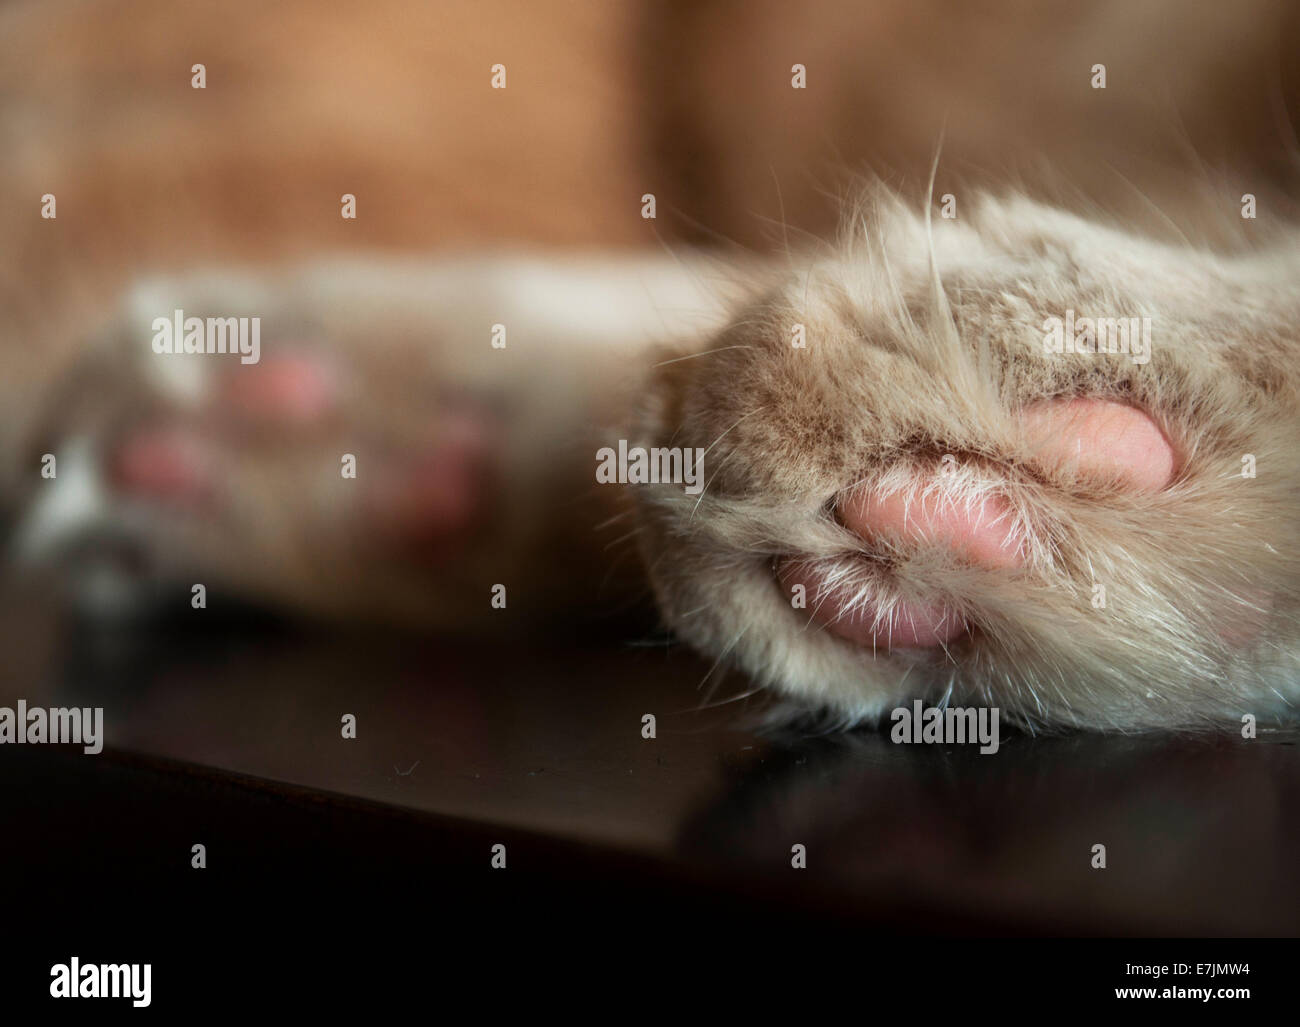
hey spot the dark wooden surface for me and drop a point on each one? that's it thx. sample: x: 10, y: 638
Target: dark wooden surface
x: 225, y: 731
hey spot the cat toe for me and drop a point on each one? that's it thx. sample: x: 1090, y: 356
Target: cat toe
x: 1101, y: 440
x: 283, y: 391
x: 163, y: 462
x: 863, y: 610
x: 425, y: 505
x: 966, y: 518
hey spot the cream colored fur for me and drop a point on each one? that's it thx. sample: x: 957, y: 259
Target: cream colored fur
x: 922, y: 343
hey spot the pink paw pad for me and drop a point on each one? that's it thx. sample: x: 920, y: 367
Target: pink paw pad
x: 1099, y: 440
x: 283, y: 390
x: 427, y: 503
x: 165, y: 463
x: 865, y: 619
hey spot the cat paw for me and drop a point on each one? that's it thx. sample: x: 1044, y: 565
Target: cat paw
x: 384, y: 451
x: 956, y: 509
x: 971, y: 521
